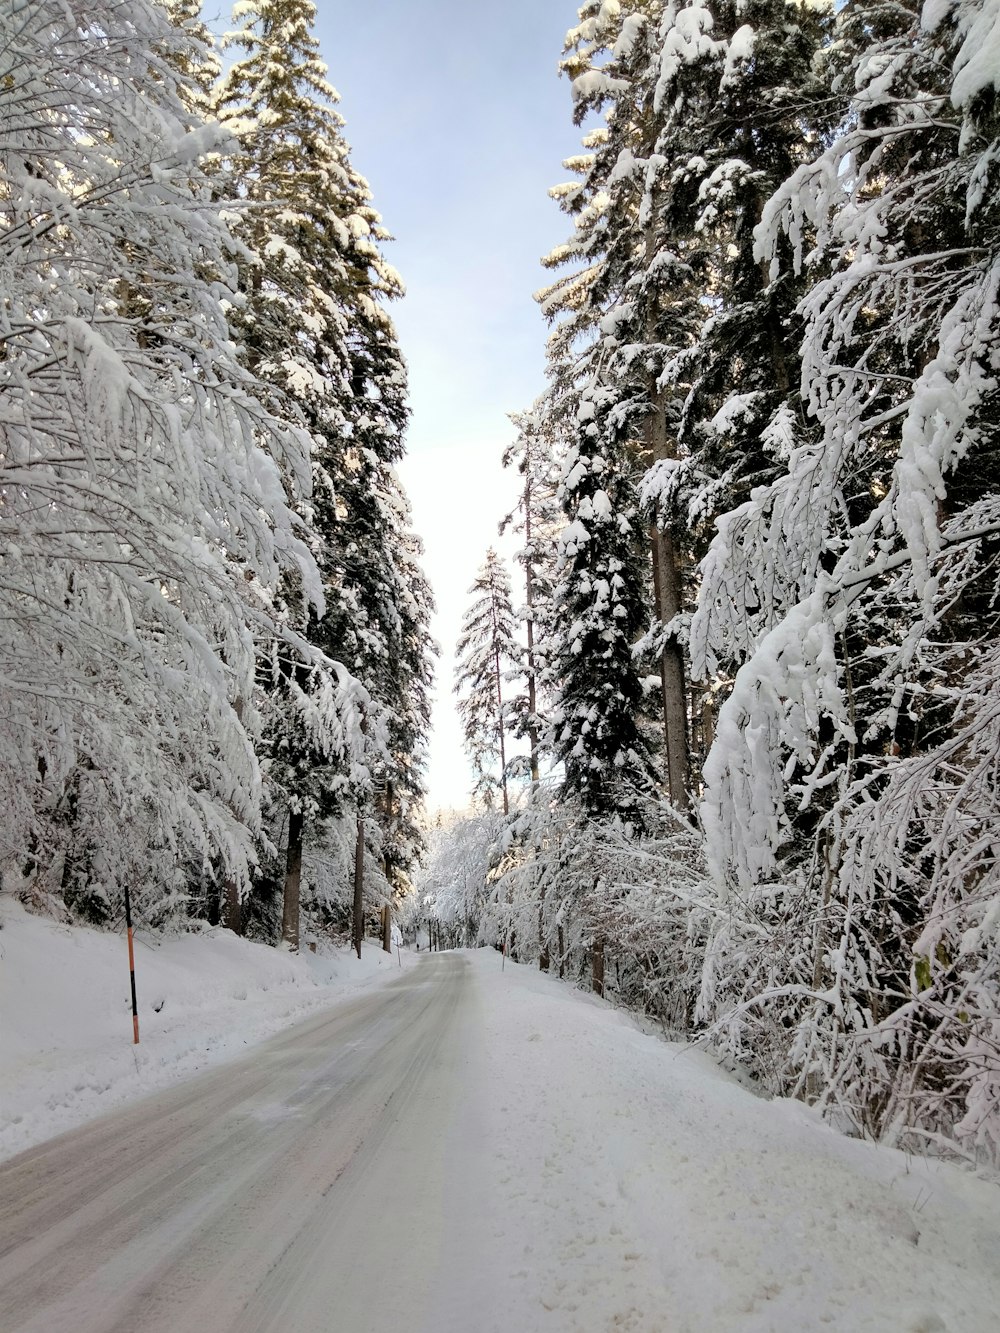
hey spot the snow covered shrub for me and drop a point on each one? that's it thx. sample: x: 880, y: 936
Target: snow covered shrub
x: 454, y: 885
x: 567, y: 881
x: 851, y: 794
x: 655, y: 903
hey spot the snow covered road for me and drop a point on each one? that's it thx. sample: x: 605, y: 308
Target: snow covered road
x: 477, y: 1150
x: 297, y: 1189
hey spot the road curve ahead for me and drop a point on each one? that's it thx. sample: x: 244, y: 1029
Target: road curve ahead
x: 308, y: 1187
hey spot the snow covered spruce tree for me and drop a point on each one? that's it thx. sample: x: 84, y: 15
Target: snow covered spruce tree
x: 871, y: 680
x: 738, y: 102
x: 315, y: 326
x: 599, y: 604
x: 486, y: 649
x: 643, y: 304
x: 198, y: 56
x: 599, y: 612
x: 143, y: 485
x: 536, y: 519
x: 707, y: 109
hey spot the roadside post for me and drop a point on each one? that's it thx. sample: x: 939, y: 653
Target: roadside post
x: 131, y: 967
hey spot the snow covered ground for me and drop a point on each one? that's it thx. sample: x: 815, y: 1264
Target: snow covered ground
x: 636, y: 1186
x: 66, y: 1051
x: 543, y: 1165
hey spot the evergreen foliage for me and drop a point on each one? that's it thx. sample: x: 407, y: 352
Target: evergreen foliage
x: 314, y: 321
x: 598, y: 613
x: 487, y: 646
x: 537, y: 520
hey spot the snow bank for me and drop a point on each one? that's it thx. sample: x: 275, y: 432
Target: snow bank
x: 66, y: 1050
x: 635, y: 1186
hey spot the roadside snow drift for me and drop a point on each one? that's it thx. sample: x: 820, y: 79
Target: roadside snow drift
x: 635, y: 1186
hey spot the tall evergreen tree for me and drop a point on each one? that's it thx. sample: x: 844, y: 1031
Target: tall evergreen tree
x: 537, y: 520
x: 315, y: 324
x: 201, y: 63
x: 600, y: 600
x: 649, y: 305
x: 598, y: 613
x: 706, y: 110
x: 486, y: 648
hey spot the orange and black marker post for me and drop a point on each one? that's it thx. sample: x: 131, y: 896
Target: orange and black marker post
x: 131, y: 967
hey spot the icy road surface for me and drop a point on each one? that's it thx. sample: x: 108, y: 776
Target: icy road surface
x: 470, y: 1150
x: 302, y: 1188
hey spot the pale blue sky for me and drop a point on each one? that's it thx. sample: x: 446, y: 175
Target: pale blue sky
x: 459, y: 120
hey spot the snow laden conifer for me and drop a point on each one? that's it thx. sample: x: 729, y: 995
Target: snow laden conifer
x: 314, y: 323
x: 644, y: 305
x: 487, y: 646
x: 144, y: 488
x: 404, y: 685
x: 599, y: 607
x: 597, y: 406
x: 707, y: 109
x: 293, y: 333
x: 598, y: 613
x: 740, y: 102
x: 537, y: 520
x: 201, y: 63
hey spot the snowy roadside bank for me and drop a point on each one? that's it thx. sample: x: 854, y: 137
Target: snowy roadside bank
x: 66, y: 1052
x: 633, y: 1185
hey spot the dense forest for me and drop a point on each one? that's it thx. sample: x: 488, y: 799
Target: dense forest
x: 733, y: 711
x: 214, y: 643
x: 741, y: 691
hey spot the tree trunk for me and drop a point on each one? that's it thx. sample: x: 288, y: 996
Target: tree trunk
x: 667, y: 592
x: 231, y: 891
x: 562, y: 954
x: 386, y: 930
x: 597, y: 966
x: 543, y: 944
x: 667, y: 588
x: 707, y: 711
x: 357, y: 923
x: 233, y: 908
x: 503, y: 753
x: 529, y: 601
x: 293, y: 879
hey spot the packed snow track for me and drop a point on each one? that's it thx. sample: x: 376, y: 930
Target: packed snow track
x: 299, y: 1189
